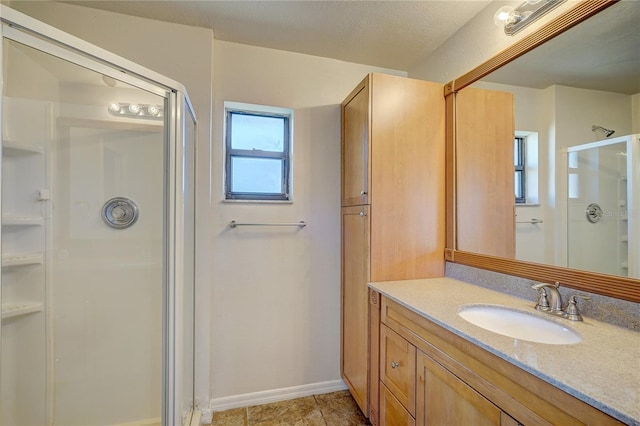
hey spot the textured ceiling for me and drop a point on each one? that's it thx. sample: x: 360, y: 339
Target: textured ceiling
x: 390, y: 34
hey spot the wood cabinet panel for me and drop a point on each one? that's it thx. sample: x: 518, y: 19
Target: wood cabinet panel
x: 443, y: 399
x: 485, y: 199
x: 407, y: 179
x: 355, y: 303
x: 392, y: 413
x: 355, y: 146
x: 374, y: 357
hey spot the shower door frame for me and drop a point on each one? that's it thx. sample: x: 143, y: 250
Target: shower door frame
x: 23, y: 29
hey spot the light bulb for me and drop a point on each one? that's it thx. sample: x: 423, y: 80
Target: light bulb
x: 501, y: 15
x: 134, y: 108
x: 114, y: 107
x: 514, y: 18
x: 153, y: 110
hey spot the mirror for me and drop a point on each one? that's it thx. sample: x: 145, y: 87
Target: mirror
x: 587, y: 76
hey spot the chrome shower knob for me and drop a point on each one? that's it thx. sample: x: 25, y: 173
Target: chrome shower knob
x: 120, y: 212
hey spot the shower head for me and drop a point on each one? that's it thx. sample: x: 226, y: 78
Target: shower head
x: 607, y: 132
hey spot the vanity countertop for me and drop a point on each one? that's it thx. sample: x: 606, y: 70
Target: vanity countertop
x: 602, y: 370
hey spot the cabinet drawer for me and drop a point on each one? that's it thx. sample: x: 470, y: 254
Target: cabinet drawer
x: 398, y: 367
x: 392, y: 412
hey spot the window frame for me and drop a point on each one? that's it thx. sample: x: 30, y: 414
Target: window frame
x: 286, y: 155
x: 520, y: 166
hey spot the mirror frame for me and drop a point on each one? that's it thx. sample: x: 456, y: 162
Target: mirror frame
x: 608, y: 285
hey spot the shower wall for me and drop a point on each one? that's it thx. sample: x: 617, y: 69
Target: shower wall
x: 106, y: 284
x: 81, y: 302
x: 24, y: 239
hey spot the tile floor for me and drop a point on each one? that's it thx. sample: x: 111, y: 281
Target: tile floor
x: 331, y: 409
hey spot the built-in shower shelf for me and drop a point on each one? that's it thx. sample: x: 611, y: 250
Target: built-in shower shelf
x: 22, y: 259
x: 14, y: 149
x: 11, y: 310
x: 22, y: 221
x: 624, y: 238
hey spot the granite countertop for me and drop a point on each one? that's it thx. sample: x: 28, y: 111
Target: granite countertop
x: 602, y: 370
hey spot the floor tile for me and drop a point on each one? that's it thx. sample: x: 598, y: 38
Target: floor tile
x: 332, y: 409
x: 295, y: 412
x: 339, y: 409
x: 235, y: 417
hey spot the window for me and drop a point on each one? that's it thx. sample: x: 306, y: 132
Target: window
x: 525, y: 160
x: 257, y: 152
x: 519, y: 159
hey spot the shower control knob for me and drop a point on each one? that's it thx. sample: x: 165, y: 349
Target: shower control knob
x: 120, y: 212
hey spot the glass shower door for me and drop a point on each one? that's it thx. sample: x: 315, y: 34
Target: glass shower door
x: 598, y: 223
x: 83, y: 245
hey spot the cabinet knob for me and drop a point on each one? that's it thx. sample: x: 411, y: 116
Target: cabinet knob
x: 363, y: 192
x: 362, y: 214
x: 394, y: 364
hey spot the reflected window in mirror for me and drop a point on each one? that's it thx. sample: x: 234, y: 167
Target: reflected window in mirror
x: 520, y: 178
x: 525, y: 159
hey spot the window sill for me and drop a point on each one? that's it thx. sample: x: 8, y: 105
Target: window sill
x: 258, y: 201
x: 527, y: 205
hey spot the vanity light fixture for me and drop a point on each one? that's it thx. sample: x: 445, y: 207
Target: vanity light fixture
x: 516, y: 19
x: 133, y: 110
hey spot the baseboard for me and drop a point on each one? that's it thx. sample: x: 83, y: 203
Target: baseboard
x: 275, y: 395
x: 196, y: 418
x: 206, y: 416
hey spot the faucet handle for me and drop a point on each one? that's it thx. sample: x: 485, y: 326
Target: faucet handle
x: 543, y: 301
x: 571, y: 312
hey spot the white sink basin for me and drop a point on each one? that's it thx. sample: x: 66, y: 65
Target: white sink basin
x: 518, y: 324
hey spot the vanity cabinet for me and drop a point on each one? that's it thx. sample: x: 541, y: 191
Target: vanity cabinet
x: 456, y: 382
x: 393, y: 222
x: 415, y: 389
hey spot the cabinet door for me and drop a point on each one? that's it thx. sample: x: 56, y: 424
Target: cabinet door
x: 444, y: 399
x: 392, y: 413
x: 355, y: 146
x: 398, y: 367
x: 355, y: 303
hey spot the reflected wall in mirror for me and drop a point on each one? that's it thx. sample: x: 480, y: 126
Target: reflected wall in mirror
x: 588, y: 76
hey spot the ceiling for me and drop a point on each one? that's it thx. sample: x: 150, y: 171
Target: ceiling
x: 391, y: 34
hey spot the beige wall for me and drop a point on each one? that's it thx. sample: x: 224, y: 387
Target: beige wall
x: 276, y: 291
x: 184, y: 54
x: 635, y: 113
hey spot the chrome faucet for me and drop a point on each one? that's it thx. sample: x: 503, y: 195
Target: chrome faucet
x: 549, y: 299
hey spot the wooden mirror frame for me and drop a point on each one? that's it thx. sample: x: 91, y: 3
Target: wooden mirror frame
x: 607, y: 285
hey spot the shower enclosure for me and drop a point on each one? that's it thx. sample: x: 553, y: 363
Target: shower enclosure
x: 604, y: 206
x: 97, y: 241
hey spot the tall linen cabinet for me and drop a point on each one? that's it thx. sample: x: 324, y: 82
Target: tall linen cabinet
x: 393, y: 218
